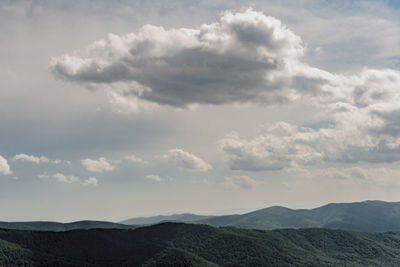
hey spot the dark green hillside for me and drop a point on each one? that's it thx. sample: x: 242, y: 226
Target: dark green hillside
x: 177, y: 257
x: 174, y: 244
x: 55, y: 226
x: 13, y: 255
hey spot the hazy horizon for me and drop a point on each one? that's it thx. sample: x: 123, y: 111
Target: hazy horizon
x: 113, y: 110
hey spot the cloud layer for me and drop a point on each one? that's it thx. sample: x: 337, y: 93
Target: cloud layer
x: 248, y: 57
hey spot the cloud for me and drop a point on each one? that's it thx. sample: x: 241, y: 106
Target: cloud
x: 4, y: 167
x: 135, y: 159
x: 99, y: 165
x: 44, y: 175
x: 155, y: 178
x: 382, y: 176
x: 244, y: 57
x: 69, y: 179
x: 239, y: 182
x: 90, y: 182
x: 65, y: 179
x: 247, y: 57
x: 34, y: 159
x: 281, y: 146
x: 363, y: 127
x: 186, y: 160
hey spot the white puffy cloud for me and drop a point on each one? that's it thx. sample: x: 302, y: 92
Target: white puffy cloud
x: 186, y: 160
x: 65, y: 179
x: 44, y: 175
x: 98, y: 165
x: 244, y: 57
x: 34, y: 159
x: 239, y: 182
x: 135, y: 159
x: 69, y: 179
x: 155, y: 178
x: 4, y: 167
x: 92, y: 181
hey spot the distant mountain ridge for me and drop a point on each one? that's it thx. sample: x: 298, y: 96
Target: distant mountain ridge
x: 183, y: 217
x: 56, y: 226
x: 369, y: 216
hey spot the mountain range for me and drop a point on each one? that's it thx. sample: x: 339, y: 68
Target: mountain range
x: 56, y: 226
x: 338, y: 234
x: 368, y: 216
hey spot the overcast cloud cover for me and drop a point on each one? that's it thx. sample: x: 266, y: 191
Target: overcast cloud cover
x: 220, y: 105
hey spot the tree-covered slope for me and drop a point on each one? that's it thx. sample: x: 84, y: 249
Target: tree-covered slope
x: 174, y: 244
x: 12, y: 254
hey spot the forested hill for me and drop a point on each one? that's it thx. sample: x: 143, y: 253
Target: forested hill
x: 176, y: 244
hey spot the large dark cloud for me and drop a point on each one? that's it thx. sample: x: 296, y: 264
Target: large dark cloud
x: 245, y: 57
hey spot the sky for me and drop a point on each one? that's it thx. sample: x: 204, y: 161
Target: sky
x: 117, y: 109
